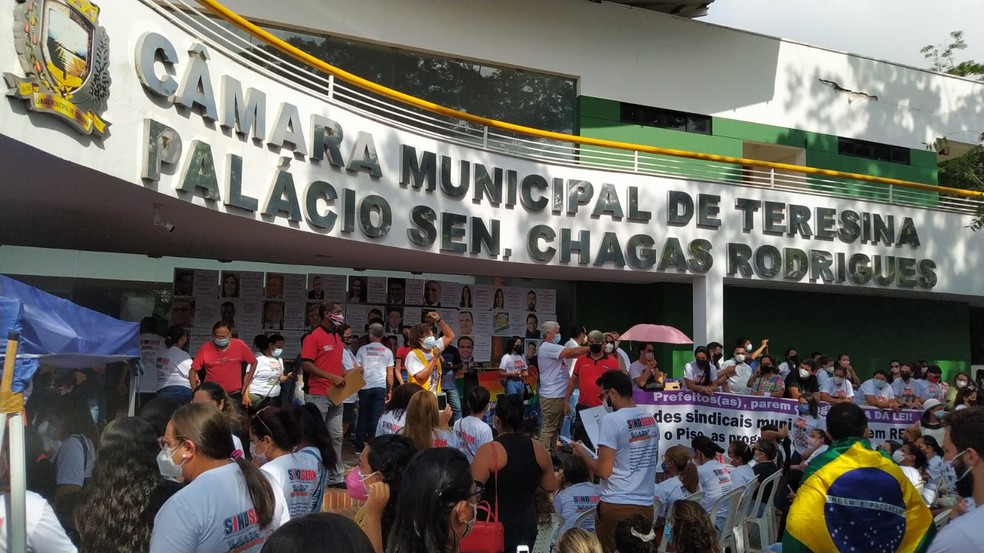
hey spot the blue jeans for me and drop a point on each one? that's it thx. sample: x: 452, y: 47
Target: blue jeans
x: 515, y: 386
x: 181, y: 394
x: 565, y: 430
x: 371, y: 403
x: 454, y: 400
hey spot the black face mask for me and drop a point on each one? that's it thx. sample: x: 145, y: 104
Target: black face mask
x: 703, y: 363
x: 595, y: 348
x: 518, y: 349
x: 717, y: 357
x: 794, y: 360
x: 905, y: 375
x: 766, y: 368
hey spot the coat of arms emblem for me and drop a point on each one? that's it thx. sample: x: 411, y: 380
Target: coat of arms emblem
x: 65, y: 57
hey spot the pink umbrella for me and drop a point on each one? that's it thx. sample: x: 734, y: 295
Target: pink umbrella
x: 655, y: 333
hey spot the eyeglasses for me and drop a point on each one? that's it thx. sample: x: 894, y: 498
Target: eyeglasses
x: 602, y: 394
x: 162, y: 441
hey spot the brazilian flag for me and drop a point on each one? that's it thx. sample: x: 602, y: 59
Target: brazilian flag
x: 855, y: 499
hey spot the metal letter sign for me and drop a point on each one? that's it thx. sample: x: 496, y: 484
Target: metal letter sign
x: 65, y: 56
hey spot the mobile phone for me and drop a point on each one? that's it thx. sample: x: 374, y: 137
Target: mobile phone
x: 564, y: 440
x: 442, y: 401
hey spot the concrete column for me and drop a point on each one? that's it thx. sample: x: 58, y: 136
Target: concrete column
x: 708, y: 309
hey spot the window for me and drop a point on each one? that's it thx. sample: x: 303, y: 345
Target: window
x: 665, y: 119
x: 873, y: 150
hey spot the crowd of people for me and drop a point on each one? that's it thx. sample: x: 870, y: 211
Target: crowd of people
x: 233, y: 454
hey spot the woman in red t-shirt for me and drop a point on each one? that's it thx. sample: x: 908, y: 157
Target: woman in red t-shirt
x: 222, y: 359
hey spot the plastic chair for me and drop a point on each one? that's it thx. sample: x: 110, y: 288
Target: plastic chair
x: 941, y: 519
x: 746, y: 508
x: 731, y: 498
x: 584, y: 517
x: 657, y: 507
x: 761, y: 516
x: 548, y: 534
x: 696, y: 496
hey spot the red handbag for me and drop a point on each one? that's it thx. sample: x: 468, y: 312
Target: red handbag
x: 487, y: 536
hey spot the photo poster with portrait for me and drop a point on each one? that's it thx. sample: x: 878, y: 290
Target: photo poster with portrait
x: 530, y: 349
x: 273, y: 288
x: 393, y: 320
x: 433, y: 291
x: 295, y: 287
x: 326, y: 288
x: 357, y: 290
x: 358, y: 316
x: 272, y: 315
x: 396, y: 291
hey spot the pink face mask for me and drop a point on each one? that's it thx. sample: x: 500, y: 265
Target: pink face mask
x: 356, y: 484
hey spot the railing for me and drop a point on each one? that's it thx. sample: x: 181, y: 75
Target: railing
x: 321, y: 80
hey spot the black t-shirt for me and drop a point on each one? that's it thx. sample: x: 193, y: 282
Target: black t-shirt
x: 809, y: 385
x: 450, y: 359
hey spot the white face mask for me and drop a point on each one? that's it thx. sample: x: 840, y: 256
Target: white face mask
x: 804, y: 373
x: 609, y: 348
x: 961, y: 383
x: 898, y: 456
x: 165, y: 463
x: 740, y: 357
x: 838, y: 380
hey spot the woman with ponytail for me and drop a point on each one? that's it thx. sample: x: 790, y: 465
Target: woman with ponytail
x: 227, y: 504
x: 683, y: 481
x: 275, y: 433
x: 175, y: 364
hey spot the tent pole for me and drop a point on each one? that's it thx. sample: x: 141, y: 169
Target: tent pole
x: 12, y: 405
x: 132, y: 411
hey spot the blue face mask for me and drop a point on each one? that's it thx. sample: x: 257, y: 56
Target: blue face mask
x: 430, y: 342
x: 668, y: 532
x: 939, y: 414
x: 278, y: 352
x: 803, y: 408
x: 556, y: 338
x: 221, y: 342
x: 879, y: 384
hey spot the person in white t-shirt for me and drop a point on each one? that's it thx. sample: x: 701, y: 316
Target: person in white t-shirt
x: 174, y: 364
x: 739, y: 455
x: 683, y: 480
x: 837, y: 388
x: 394, y: 416
x: 227, y: 505
x: 910, y: 392
x: 699, y: 375
x: 876, y: 392
x: 577, y: 493
x: 737, y: 372
x: 513, y: 368
x: 44, y: 533
x: 963, y: 443
x: 377, y: 365
x: 715, y: 477
x: 424, y: 361
x: 472, y: 431
x: 644, y: 371
x: 261, y: 386
x: 628, y: 446
x: 275, y: 434
x: 554, y: 377
x: 426, y: 426
x: 151, y: 347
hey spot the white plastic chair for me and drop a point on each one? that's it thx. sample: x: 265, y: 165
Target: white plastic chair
x: 696, y: 496
x: 584, y: 517
x: 762, y: 516
x: 745, y: 511
x: 731, y: 498
x: 548, y: 534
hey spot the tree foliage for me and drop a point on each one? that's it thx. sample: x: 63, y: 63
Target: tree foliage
x: 943, y: 57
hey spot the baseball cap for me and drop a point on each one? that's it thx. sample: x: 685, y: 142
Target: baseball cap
x: 930, y: 403
x: 705, y: 445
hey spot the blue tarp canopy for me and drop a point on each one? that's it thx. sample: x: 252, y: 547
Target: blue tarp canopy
x: 59, y: 333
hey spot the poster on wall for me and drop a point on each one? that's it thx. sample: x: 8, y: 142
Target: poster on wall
x: 472, y: 350
x: 273, y: 315
x: 432, y: 294
x: 450, y: 294
x: 357, y: 290
x: 294, y: 315
x: 466, y: 296
x: 545, y: 300
x: 182, y: 312
x: 376, y: 293
x: 274, y: 288
x: 482, y: 296
x: 184, y: 282
x: 394, y: 320
x: 515, y: 299
x: 295, y: 287
x: 414, y: 292
x: 250, y: 285
x: 229, y: 287
x: 326, y: 288
x: 396, y: 290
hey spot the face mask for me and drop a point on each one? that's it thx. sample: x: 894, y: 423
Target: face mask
x: 668, y: 531
x: 166, y: 465
x: 662, y: 467
x: 905, y: 375
x: 794, y: 360
x: 898, y: 456
x: 956, y: 469
x: 748, y: 348
x: 830, y: 369
x: 609, y: 348
x: 804, y: 373
x: 278, y: 352
x: 518, y: 349
x: 594, y: 348
x: 608, y: 405
x: 260, y: 458
x: 703, y: 363
x: 649, y: 356
x: 556, y: 338
x: 839, y: 380
x: 430, y: 342
x: 221, y: 342
x: 961, y: 384
x: 879, y: 384
x: 813, y: 442
x: 49, y: 438
x: 939, y: 414
x: 933, y: 377
x: 766, y: 368
x: 740, y: 358
x: 356, y: 484
x: 717, y: 357
x: 803, y: 408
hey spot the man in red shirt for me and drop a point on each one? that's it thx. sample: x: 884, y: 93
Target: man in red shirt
x: 587, y: 369
x: 222, y: 359
x: 321, y: 357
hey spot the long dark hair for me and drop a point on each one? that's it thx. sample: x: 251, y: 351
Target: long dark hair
x: 117, y: 512
x: 223, y: 403
x: 389, y: 454
x: 314, y: 531
x: 71, y: 416
x: 434, y: 482
x: 400, y: 399
x: 316, y: 434
x: 284, y: 425
x: 208, y: 428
